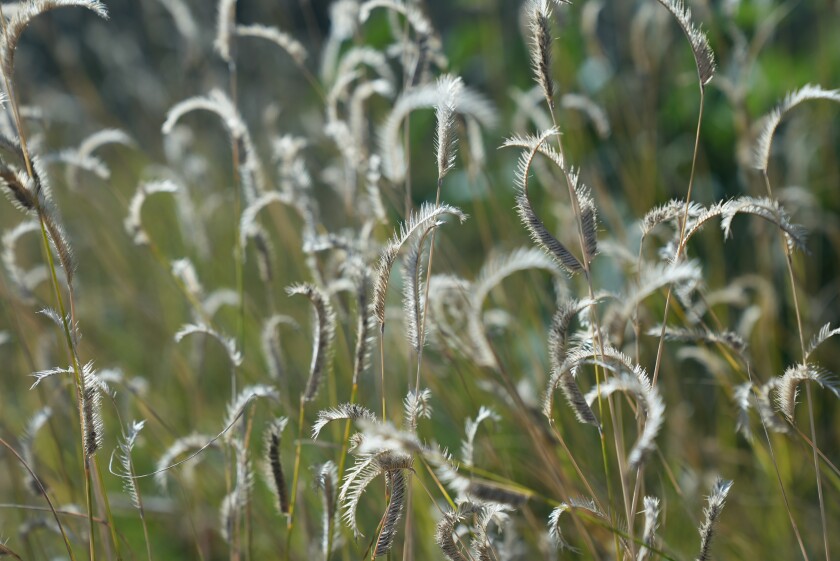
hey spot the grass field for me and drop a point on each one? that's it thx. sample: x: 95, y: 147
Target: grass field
x: 411, y: 279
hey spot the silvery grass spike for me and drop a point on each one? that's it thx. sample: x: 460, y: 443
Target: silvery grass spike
x: 748, y: 395
x: 283, y: 40
x: 367, y: 468
x: 361, y: 275
x: 75, y: 161
x: 653, y: 277
x: 427, y: 216
x: 561, y: 375
x: 445, y: 534
x: 427, y: 96
x: 704, y: 58
x: 17, y: 274
x: 27, y: 442
x: 652, y: 512
x: 727, y: 338
x: 670, y: 213
x: 183, y: 18
x: 31, y: 195
x: 416, y: 406
x: 238, y: 498
x: 536, y: 228
x: 134, y: 221
x: 787, y: 387
x: 716, y: 502
x: 412, y: 274
x: 593, y: 111
x: 225, y: 28
x: 771, y: 121
x: 344, y: 411
x: 126, y: 446
x: 242, y: 400
x: 195, y: 443
x: 24, y: 16
x: 251, y: 172
x: 767, y: 209
x: 539, y: 17
x: 647, y: 396
x: 554, y: 531
x: 228, y: 343
x: 272, y: 466
x: 271, y: 347
x: 496, y: 268
x: 396, y: 486
x: 91, y: 144
x: 415, y: 18
x: 323, y: 335
x: 449, y: 90
x: 326, y: 479
x: 344, y: 23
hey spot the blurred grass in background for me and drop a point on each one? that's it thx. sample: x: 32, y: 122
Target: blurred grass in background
x: 630, y: 58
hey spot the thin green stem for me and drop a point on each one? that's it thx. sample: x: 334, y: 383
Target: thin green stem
x: 382, y: 368
x: 42, y: 489
x: 421, y: 335
x: 101, y: 485
x: 784, y: 494
x: 79, y: 386
x: 595, y: 331
x: 680, y: 247
x: 238, y: 253
x: 295, y: 474
x: 681, y: 244
x: 54, y: 277
x: 798, y: 312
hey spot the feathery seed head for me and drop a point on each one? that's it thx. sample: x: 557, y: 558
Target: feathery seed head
x: 712, y: 512
x: 704, y: 58
x: 272, y: 468
x: 449, y: 88
x: 771, y: 121
x: 540, y: 14
x: 225, y: 27
x: 324, y: 335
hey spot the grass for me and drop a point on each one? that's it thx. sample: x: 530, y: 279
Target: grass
x: 613, y: 335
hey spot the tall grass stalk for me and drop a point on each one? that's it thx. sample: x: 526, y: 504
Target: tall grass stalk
x: 809, y: 401
x: 541, y: 62
x: 227, y: 12
x: 43, y: 492
x: 79, y: 384
x: 290, y: 524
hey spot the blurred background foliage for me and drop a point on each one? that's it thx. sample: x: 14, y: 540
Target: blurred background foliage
x: 630, y: 58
